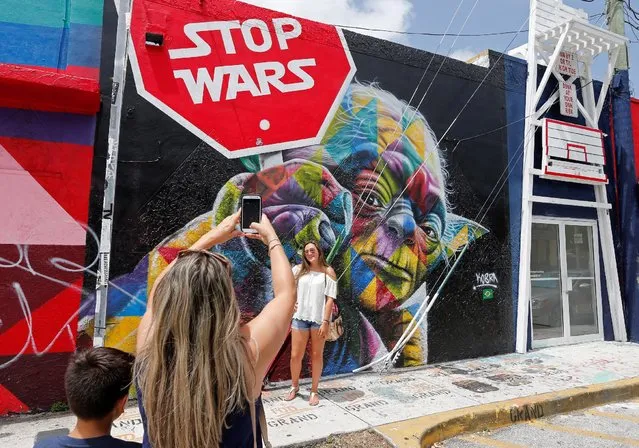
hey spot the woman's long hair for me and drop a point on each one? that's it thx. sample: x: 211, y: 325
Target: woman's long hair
x: 195, y: 368
x: 306, y: 266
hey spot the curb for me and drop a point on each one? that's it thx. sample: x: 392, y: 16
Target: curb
x: 437, y: 427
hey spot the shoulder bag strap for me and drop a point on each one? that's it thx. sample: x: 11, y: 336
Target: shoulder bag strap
x: 252, y: 404
x: 325, y: 295
x: 264, y: 427
x: 254, y: 424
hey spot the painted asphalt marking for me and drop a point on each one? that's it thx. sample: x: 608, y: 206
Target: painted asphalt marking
x: 612, y: 415
x: 583, y: 432
x: 487, y: 441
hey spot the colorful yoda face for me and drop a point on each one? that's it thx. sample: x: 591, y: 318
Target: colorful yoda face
x: 386, y: 156
x: 373, y: 194
x: 399, y: 203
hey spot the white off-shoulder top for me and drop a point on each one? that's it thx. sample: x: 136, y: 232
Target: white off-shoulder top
x: 312, y: 290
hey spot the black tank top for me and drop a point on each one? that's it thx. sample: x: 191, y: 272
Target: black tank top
x: 239, y: 433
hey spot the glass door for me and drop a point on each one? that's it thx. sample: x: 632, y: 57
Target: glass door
x: 580, y: 281
x: 564, y: 283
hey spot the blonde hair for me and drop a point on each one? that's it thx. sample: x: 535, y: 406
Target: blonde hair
x: 195, y: 368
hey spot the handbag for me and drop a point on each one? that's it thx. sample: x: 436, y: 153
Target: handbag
x: 335, y: 326
x: 335, y: 329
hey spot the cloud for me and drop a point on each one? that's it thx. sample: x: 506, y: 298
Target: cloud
x: 464, y: 54
x: 385, y: 14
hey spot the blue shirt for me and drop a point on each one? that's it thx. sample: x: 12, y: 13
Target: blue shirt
x: 94, y: 442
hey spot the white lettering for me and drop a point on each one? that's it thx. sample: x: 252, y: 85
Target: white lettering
x: 268, y: 74
x: 196, y: 87
x: 202, y: 48
x: 487, y: 278
x: 264, y: 79
x: 295, y: 66
x: 247, y: 33
x: 240, y: 81
x: 284, y: 36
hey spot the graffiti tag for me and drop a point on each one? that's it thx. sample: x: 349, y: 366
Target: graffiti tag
x: 486, y: 280
x: 526, y: 413
x: 23, y: 263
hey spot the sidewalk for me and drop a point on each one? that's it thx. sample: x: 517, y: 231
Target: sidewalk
x: 381, y: 400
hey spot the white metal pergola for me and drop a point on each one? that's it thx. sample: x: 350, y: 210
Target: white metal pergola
x: 555, y: 28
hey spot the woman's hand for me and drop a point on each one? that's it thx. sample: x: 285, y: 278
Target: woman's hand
x: 265, y: 231
x: 223, y: 232
x: 323, y: 330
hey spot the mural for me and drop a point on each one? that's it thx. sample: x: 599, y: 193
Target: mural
x: 49, y: 63
x: 392, y: 207
x: 374, y: 195
x: 44, y: 191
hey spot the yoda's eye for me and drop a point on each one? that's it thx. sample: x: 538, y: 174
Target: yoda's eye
x: 430, y: 231
x: 373, y: 201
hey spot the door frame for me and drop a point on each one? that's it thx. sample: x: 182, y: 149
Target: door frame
x: 565, y: 340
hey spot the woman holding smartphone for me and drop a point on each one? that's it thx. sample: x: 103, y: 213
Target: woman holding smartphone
x: 199, y: 371
x: 316, y: 291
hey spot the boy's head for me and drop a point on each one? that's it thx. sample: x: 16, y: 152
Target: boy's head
x: 97, y: 382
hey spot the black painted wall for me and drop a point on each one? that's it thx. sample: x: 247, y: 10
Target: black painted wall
x: 167, y: 177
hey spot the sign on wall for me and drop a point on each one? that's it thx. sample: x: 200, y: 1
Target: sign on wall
x: 568, y: 64
x: 573, y: 153
x: 568, y: 99
x: 244, y: 79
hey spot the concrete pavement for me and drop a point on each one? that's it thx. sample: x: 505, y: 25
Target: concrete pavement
x: 615, y: 425
x: 389, y: 402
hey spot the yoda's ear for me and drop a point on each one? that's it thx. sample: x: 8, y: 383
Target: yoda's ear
x: 251, y: 163
x: 459, y: 232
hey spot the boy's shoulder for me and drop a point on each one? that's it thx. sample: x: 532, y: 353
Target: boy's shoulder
x: 96, y: 442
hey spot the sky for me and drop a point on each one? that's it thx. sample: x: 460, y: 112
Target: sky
x: 473, y: 16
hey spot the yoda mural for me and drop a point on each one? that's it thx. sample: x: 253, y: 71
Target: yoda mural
x: 373, y: 193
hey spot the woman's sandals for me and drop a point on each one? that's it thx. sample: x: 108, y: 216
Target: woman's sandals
x: 292, y: 393
x: 314, y: 399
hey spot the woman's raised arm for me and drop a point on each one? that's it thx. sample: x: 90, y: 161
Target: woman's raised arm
x: 270, y: 327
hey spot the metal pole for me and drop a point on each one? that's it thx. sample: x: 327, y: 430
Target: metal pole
x: 523, y: 295
x: 117, y: 93
x: 616, y: 24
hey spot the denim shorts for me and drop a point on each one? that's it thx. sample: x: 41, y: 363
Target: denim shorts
x: 304, y: 325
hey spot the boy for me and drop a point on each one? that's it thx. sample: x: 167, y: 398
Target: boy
x: 97, y: 382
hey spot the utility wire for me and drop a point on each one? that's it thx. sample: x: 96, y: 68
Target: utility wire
x: 426, y: 33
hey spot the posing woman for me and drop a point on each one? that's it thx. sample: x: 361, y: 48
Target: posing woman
x: 316, y: 290
x: 199, y: 371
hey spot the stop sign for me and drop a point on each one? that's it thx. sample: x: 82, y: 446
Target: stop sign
x: 246, y: 80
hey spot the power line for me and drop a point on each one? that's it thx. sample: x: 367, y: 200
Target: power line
x: 425, y: 33
x: 427, y: 158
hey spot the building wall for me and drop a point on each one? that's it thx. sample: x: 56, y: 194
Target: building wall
x: 49, y: 67
x: 515, y: 75
x: 56, y: 35
x: 455, y: 166
x: 634, y: 109
x: 172, y: 188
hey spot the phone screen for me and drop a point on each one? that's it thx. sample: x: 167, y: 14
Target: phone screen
x: 251, y: 211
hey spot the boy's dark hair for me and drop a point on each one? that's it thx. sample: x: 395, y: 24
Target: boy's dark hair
x: 96, y: 379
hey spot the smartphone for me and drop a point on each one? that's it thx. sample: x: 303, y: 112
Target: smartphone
x: 251, y: 212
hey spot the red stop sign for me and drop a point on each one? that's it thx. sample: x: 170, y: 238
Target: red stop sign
x: 246, y: 80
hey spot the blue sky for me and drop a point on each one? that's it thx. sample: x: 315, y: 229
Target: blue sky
x: 490, y: 16
x: 434, y: 16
